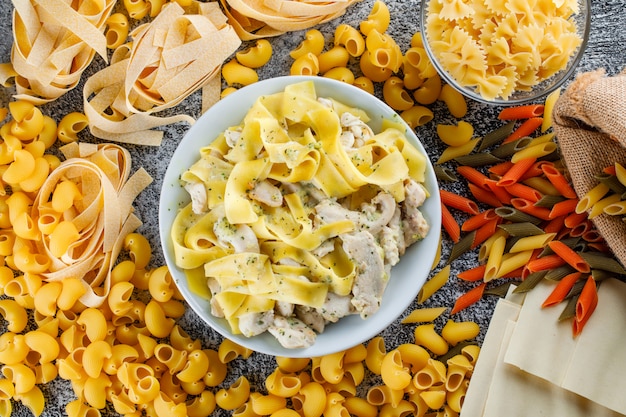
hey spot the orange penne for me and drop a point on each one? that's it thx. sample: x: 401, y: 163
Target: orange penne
x: 484, y: 196
x: 559, y: 181
x: 449, y: 224
x: 473, y: 274
x: 574, y: 219
x: 561, y: 289
x: 528, y: 207
x: 485, y: 231
x: 458, y: 202
x: 568, y: 255
x: 500, y: 192
x: 524, y: 191
x: 563, y: 208
x: 521, y: 112
x: 516, y: 172
x: 585, y: 305
x: 525, y: 129
x: 545, y: 262
x: 501, y: 168
x: 473, y: 175
x: 535, y: 170
x: 478, y: 220
x: 554, y: 225
x: 469, y: 298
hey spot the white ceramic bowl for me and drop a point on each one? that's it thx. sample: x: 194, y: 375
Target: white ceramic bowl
x: 407, y: 277
x: 582, y: 20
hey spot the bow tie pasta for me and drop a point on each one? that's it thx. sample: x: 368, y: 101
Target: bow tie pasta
x: 298, y: 214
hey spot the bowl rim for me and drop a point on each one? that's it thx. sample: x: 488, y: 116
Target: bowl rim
x: 564, y: 74
x: 332, y: 339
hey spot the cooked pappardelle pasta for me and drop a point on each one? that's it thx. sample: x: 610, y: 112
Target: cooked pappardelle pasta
x: 298, y: 214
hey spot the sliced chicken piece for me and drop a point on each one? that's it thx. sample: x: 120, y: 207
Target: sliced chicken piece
x: 283, y: 308
x: 336, y: 307
x: 199, y: 198
x: 391, y: 239
x: 252, y: 324
x: 372, y: 217
x: 292, y: 333
x: 232, y: 136
x: 240, y: 236
x: 324, y: 249
x: 311, y: 317
x: 267, y: 193
x: 413, y: 223
x: 215, y: 288
x: 371, y: 278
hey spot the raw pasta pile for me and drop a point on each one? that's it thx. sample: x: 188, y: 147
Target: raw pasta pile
x: 530, y: 225
x: 499, y: 47
x: 298, y: 214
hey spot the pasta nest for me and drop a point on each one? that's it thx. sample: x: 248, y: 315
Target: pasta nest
x: 254, y: 19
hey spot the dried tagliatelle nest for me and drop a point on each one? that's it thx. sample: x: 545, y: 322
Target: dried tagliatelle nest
x: 54, y: 42
x: 83, y: 212
x: 253, y: 19
x: 167, y: 59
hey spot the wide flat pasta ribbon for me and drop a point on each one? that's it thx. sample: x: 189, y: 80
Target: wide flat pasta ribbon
x: 53, y: 43
x: 102, y: 215
x: 168, y: 59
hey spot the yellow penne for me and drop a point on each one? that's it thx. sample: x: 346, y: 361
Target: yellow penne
x: 494, y: 258
x: 434, y: 284
x: 591, y: 197
x: 424, y: 315
x: 512, y: 261
x: 549, y: 103
x: 537, y: 151
x: 532, y: 242
x: 452, y: 152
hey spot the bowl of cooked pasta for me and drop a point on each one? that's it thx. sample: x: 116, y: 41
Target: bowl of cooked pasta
x: 505, y: 52
x: 299, y: 216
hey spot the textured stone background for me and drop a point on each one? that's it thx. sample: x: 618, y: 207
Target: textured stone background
x: 606, y: 49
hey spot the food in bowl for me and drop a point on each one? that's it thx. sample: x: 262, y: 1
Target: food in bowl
x: 505, y: 50
x: 296, y: 215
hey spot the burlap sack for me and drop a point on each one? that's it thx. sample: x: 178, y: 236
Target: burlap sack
x: 590, y: 127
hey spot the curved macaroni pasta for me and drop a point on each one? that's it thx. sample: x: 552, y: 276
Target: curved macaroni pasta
x: 257, y: 55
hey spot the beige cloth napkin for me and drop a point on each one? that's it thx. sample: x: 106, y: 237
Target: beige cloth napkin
x: 590, y: 126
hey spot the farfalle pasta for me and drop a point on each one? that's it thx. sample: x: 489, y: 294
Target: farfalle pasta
x: 499, y: 47
x: 294, y: 181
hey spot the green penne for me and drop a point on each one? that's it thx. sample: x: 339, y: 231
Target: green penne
x: 478, y: 159
x: 612, y: 182
x: 445, y: 174
x: 514, y: 215
x: 521, y: 229
x: 559, y: 273
x: 462, y: 246
x: 605, y: 263
x: 549, y: 200
x: 530, y: 282
x: 508, y: 149
x: 497, y: 135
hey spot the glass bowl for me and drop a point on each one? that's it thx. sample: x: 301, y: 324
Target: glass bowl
x: 407, y: 277
x: 445, y: 25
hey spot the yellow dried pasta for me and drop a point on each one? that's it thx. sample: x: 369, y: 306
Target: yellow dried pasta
x: 498, y: 51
